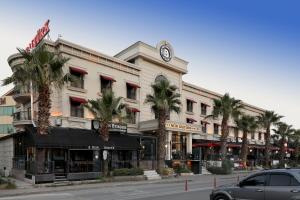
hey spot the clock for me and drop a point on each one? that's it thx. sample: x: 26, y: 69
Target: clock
x: 165, y: 53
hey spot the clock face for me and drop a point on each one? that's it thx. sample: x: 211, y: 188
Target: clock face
x: 165, y: 53
x: 96, y: 124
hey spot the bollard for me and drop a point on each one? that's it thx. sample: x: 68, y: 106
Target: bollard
x: 215, y: 182
x: 238, y: 179
x: 186, y: 185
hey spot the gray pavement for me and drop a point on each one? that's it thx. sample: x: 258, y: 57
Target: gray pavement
x: 199, y: 187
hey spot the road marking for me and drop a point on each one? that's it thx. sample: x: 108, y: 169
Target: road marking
x: 36, y: 195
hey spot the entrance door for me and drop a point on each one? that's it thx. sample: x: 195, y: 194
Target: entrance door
x: 59, y: 157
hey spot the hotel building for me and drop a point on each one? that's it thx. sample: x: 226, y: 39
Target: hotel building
x: 129, y: 74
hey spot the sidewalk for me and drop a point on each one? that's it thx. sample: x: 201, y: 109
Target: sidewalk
x: 24, y: 188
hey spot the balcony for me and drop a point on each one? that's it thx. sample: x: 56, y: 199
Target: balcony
x: 22, y: 118
x: 22, y: 95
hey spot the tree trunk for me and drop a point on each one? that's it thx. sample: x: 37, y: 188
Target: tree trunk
x: 297, y: 152
x: 161, y: 153
x: 104, y: 132
x: 44, y: 106
x: 224, y: 136
x: 282, y: 153
x: 267, y: 148
x: 244, y: 151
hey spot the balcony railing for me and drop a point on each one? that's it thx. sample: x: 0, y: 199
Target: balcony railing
x: 22, y: 115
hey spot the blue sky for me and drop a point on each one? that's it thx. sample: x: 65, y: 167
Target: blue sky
x: 247, y: 48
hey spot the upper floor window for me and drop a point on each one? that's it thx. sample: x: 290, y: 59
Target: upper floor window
x: 106, y: 83
x: 131, y: 90
x: 76, y: 107
x: 79, y: 75
x: 7, y: 110
x: 260, y: 136
x: 6, y: 128
x: 189, y: 105
x: 252, y: 135
x: 204, y: 126
x: 236, y: 132
x: 131, y: 114
x: 216, y: 129
x: 203, y: 109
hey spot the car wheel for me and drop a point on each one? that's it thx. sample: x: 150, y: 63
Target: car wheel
x: 221, y: 197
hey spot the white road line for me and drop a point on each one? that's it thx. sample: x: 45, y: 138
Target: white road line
x: 36, y: 195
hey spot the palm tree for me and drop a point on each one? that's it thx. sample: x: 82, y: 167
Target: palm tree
x: 44, y: 70
x: 296, y: 138
x: 266, y: 120
x: 106, y: 109
x: 227, y: 107
x: 164, y: 100
x: 283, y: 133
x: 247, y: 124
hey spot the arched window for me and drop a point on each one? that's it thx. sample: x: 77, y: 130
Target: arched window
x: 160, y: 78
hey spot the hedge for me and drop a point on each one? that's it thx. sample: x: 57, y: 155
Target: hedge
x: 128, y: 172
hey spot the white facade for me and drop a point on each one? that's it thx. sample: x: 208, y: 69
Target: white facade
x: 138, y: 64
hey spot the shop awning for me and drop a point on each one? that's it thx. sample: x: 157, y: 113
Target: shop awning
x: 134, y: 110
x: 133, y: 85
x: 72, y: 138
x: 78, y: 100
x: 191, y: 119
x: 77, y: 70
x: 205, y: 104
x: 191, y: 100
x: 108, y: 78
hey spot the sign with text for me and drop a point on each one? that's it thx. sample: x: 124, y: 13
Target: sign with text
x: 113, y: 127
x: 41, y: 33
x: 184, y: 127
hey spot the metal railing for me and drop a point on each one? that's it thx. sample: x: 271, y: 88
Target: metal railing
x: 19, y: 163
x: 22, y: 115
x: 33, y: 167
x: 84, y: 166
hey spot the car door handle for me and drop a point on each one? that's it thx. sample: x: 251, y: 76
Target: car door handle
x: 295, y: 191
x: 259, y: 190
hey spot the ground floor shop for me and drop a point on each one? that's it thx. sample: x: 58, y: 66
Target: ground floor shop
x: 77, y: 154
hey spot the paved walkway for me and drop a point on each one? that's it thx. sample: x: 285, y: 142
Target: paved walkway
x: 26, y: 188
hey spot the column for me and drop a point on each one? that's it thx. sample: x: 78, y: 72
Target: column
x: 168, y: 145
x: 189, y: 143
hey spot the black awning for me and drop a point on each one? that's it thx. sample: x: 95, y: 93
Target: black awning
x: 79, y: 138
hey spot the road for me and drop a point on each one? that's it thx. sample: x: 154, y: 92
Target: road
x: 197, y: 189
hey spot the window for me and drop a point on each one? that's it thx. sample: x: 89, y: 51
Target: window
x: 203, y: 109
x: 259, y: 136
x: 189, y: 105
x: 79, y: 82
x: 131, y: 116
x: 131, y: 91
x: 7, y: 110
x: 6, y: 128
x: 77, y: 109
x: 255, y: 181
x: 106, y: 83
x: 204, y: 127
x: 236, y: 132
x: 282, y: 180
x: 252, y: 135
x: 216, y: 129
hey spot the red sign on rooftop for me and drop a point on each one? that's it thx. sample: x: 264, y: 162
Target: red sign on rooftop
x: 41, y: 33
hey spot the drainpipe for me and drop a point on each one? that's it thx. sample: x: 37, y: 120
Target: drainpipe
x: 31, y: 104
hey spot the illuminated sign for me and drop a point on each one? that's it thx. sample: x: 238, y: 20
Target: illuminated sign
x: 41, y: 33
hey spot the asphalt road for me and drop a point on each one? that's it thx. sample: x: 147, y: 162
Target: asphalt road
x: 197, y: 189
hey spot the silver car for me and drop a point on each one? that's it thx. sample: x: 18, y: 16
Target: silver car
x: 279, y: 184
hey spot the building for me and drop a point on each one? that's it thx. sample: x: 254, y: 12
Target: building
x: 129, y: 74
x: 7, y: 109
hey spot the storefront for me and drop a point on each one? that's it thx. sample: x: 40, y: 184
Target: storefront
x: 72, y: 154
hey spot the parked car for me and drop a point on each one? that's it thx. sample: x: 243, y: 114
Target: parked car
x: 277, y: 184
